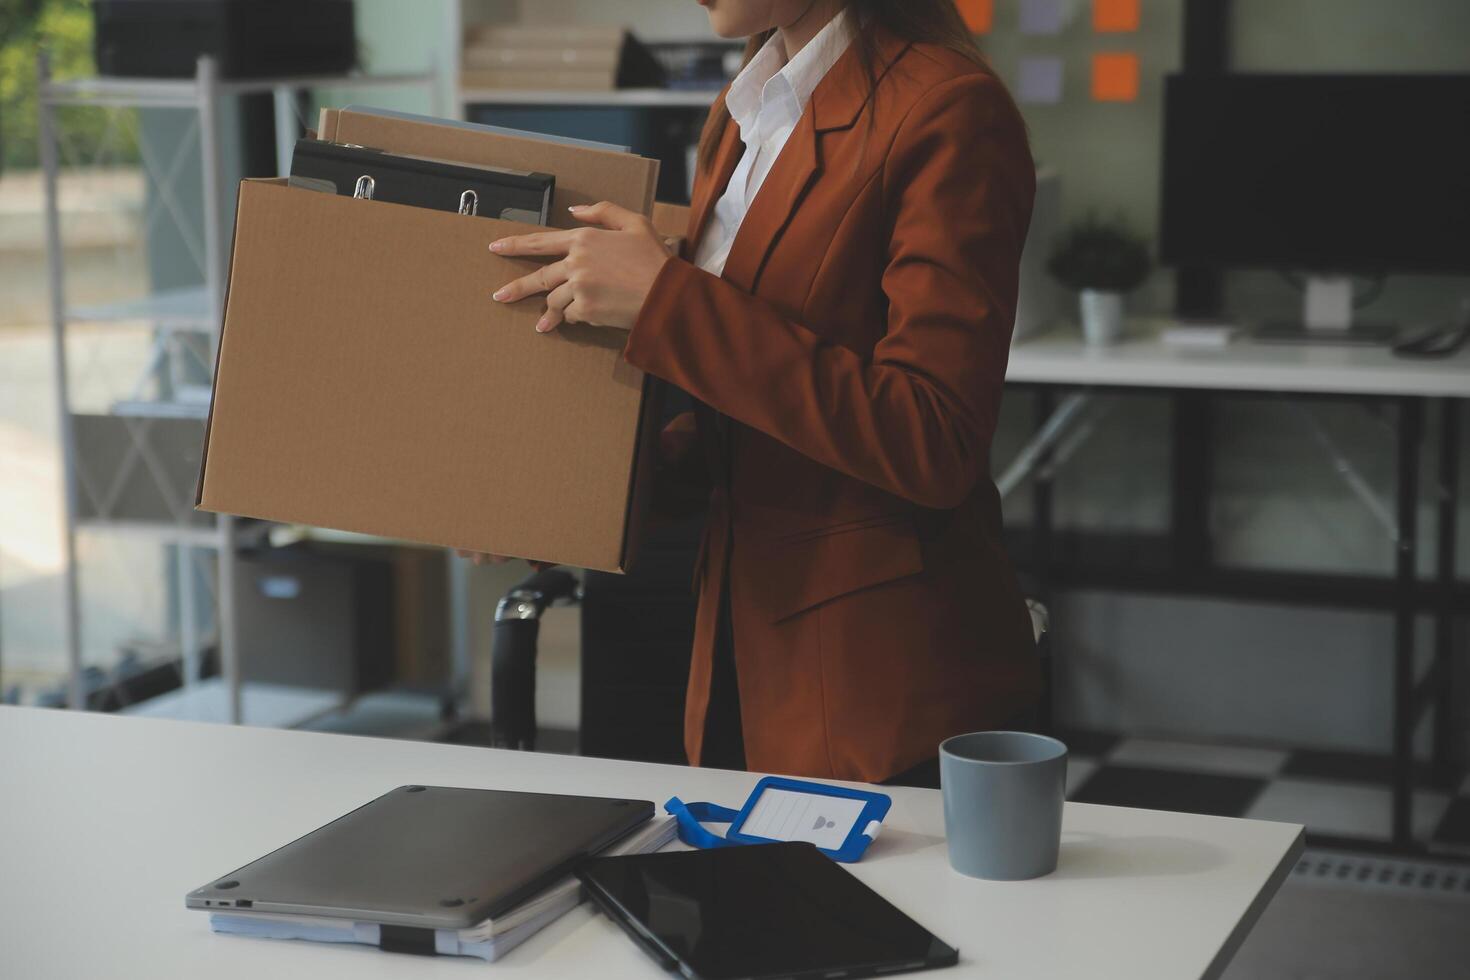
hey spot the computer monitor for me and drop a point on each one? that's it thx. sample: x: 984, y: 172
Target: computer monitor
x: 1326, y: 175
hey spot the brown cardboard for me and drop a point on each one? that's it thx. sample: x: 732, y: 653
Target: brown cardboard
x: 366, y: 381
x: 671, y: 221
x: 523, y: 56
x: 583, y: 175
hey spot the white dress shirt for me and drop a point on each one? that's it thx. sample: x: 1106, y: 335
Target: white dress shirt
x: 766, y: 101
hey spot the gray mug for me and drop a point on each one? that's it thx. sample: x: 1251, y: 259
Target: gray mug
x: 1003, y: 796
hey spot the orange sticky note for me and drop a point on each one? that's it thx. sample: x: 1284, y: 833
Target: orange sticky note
x: 1111, y: 16
x: 978, y: 14
x: 1115, y: 77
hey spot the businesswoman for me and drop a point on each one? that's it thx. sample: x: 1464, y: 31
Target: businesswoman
x: 843, y: 318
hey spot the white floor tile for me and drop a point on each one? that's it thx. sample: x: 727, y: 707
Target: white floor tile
x: 1344, y: 809
x: 1078, y: 772
x: 1197, y: 757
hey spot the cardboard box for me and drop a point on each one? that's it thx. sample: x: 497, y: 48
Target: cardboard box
x: 499, y: 56
x: 671, y: 221
x: 367, y: 382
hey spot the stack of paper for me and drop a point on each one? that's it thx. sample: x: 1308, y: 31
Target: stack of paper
x: 489, y: 940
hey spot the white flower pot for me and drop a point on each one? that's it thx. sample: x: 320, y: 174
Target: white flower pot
x: 1102, y: 316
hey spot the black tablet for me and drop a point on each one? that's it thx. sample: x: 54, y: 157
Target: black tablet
x: 765, y: 910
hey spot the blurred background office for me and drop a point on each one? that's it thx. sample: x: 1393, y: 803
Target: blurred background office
x: 1232, y: 441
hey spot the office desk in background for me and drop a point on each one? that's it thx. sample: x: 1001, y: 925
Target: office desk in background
x: 1068, y: 375
x: 108, y: 821
x: 1142, y: 360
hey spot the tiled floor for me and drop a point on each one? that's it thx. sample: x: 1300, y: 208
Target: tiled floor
x: 1339, y: 795
x: 1342, y: 809
x: 1165, y: 789
x: 1156, y: 754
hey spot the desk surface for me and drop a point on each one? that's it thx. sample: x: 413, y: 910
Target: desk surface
x: 1059, y: 356
x: 108, y: 821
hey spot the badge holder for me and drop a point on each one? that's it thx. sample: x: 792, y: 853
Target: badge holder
x: 841, y: 822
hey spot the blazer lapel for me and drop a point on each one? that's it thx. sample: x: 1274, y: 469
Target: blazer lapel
x: 836, y: 104
x: 780, y: 193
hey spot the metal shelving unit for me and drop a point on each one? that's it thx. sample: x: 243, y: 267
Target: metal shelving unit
x: 173, y: 315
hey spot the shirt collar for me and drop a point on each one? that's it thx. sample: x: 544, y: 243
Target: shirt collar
x: 770, y: 90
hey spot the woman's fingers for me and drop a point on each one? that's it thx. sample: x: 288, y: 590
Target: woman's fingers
x: 607, y: 215
x: 543, y: 280
x: 537, y: 243
x: 557, y: 302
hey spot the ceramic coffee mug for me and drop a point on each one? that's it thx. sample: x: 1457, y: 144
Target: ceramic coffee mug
x: 1003, y: 795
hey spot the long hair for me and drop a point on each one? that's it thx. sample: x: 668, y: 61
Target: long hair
x: 927, y: 21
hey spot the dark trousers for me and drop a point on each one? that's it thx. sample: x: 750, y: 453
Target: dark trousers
x: 724, y: 738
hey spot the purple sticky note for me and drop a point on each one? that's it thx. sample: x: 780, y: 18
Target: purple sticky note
x: 1045, y: 16
x: 1039, y: 81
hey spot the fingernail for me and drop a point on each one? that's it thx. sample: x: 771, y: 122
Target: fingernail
x: 496, y: 246
x: 576, y: 207
x: 500, y: 293
x: 542, y: 325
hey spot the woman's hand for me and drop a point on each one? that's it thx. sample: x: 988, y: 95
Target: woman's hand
x: 604, y: 274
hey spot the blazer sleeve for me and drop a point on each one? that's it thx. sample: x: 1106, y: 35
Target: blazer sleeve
x: 916, y: 417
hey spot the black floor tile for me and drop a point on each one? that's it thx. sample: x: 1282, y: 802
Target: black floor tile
x: 1350, y: 767
x: 1094, y: 745
x: 1454, y: 826
x: 1187, y: 792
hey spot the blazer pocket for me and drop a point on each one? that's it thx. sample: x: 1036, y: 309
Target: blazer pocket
x: 805, y: 570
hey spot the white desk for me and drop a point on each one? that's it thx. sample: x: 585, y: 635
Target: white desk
x: 108, y: 821
x: 1061, y: 362
x: 1060, y: 357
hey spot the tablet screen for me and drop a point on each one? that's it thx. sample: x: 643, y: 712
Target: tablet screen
x: 762, y: 910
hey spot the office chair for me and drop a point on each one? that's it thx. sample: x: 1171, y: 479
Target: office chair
x: 513, y: 655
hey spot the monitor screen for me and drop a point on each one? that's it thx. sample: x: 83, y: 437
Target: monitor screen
x: 1318, y: 173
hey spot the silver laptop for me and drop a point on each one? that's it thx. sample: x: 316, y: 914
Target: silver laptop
x: 431, y: 856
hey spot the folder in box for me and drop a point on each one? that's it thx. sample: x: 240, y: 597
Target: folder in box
x: 441, y: 185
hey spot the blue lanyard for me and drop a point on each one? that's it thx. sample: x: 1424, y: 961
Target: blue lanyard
x: 691, y: 818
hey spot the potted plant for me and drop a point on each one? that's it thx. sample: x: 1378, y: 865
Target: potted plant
x: 1103, y: 261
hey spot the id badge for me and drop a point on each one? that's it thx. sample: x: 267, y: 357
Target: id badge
x: 841, y: 822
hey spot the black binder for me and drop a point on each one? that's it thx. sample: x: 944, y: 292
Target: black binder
x: 440, y: 185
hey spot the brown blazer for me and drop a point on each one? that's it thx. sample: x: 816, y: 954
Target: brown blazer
x: 855, y: 350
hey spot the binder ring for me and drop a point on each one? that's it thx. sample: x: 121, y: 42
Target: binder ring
x: 469, y: 203
x: 364, y: 188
